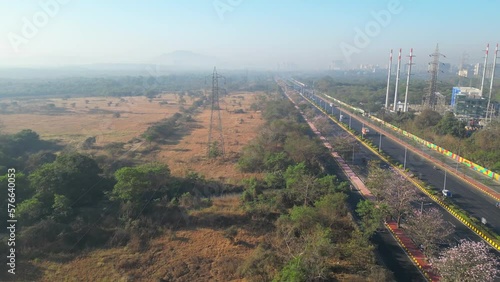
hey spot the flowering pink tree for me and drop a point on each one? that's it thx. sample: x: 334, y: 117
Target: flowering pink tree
x: 323, y: 125
x: 397, y: 194
x: 469, y: 261
x: 428, y: 228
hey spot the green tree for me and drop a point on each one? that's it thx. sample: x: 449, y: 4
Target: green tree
x: 294, y: 271
x: 300, y: 184
x: 61, y: 209
x: 277, y: 110
x: 427, y: 118
x: 38, y: 159
x: 358, y: 250
x: 137, y: 184
x: 276, y: 162
x: 302, y: 148
x: 73, y: 175
x: 371, y: 217
x: 23, y: 141
x: 23, y: 189
x: 31, y: 211
x: 302, y: 237
x: 252, y: 158
x: 449, y: 124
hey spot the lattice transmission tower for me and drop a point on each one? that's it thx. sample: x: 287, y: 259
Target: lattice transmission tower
x: 429, y: 99
x: 215, y: 146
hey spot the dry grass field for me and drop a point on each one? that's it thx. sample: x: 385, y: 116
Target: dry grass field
x: 72, y: 120
x: 238, y: 128
x: 194, y: 254
x: 197, y: 253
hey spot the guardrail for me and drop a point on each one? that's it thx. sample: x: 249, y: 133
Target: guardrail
x: 443, y: 151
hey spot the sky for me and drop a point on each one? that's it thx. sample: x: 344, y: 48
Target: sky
x: 248, y: 33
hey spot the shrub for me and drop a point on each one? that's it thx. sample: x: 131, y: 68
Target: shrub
x: 231, y: 233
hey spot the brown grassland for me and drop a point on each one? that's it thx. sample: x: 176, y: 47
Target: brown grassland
x: 193, y: 254
x: 197, y: 253
x: 92, y: 116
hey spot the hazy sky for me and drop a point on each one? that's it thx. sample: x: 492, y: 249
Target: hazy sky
x: 263, y: 33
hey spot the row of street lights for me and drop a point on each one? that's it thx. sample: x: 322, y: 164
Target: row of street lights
x: 324, y: 106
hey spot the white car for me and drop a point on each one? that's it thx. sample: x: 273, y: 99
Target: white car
x: 446, y: 193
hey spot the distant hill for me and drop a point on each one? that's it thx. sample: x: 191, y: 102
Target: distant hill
x: 185, y: 59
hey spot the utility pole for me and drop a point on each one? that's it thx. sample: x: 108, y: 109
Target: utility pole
x: 397, y: 81
x: 484, y: 67
x: 405, y: 107
x: 388, y: 82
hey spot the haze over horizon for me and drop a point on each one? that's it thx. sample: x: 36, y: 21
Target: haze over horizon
x: 239, y: 33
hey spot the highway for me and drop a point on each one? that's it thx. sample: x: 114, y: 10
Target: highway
x: 464, y: 195
x: 468, y: 198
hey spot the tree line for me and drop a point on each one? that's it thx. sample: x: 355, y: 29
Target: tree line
x: 301, y: 208
x: 122, y: 86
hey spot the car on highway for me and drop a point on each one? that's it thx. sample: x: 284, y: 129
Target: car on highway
x: 446, y: 193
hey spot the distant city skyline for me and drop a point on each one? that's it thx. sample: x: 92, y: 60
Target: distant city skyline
x: 240, y: 33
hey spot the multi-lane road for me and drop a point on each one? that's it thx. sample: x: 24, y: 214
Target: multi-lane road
x: 464, y: 195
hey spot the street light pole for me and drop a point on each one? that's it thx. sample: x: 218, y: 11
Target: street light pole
x: 350, y: 121
x: 380, y: 141
x: 444, y: 185
x: 404, y: 163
